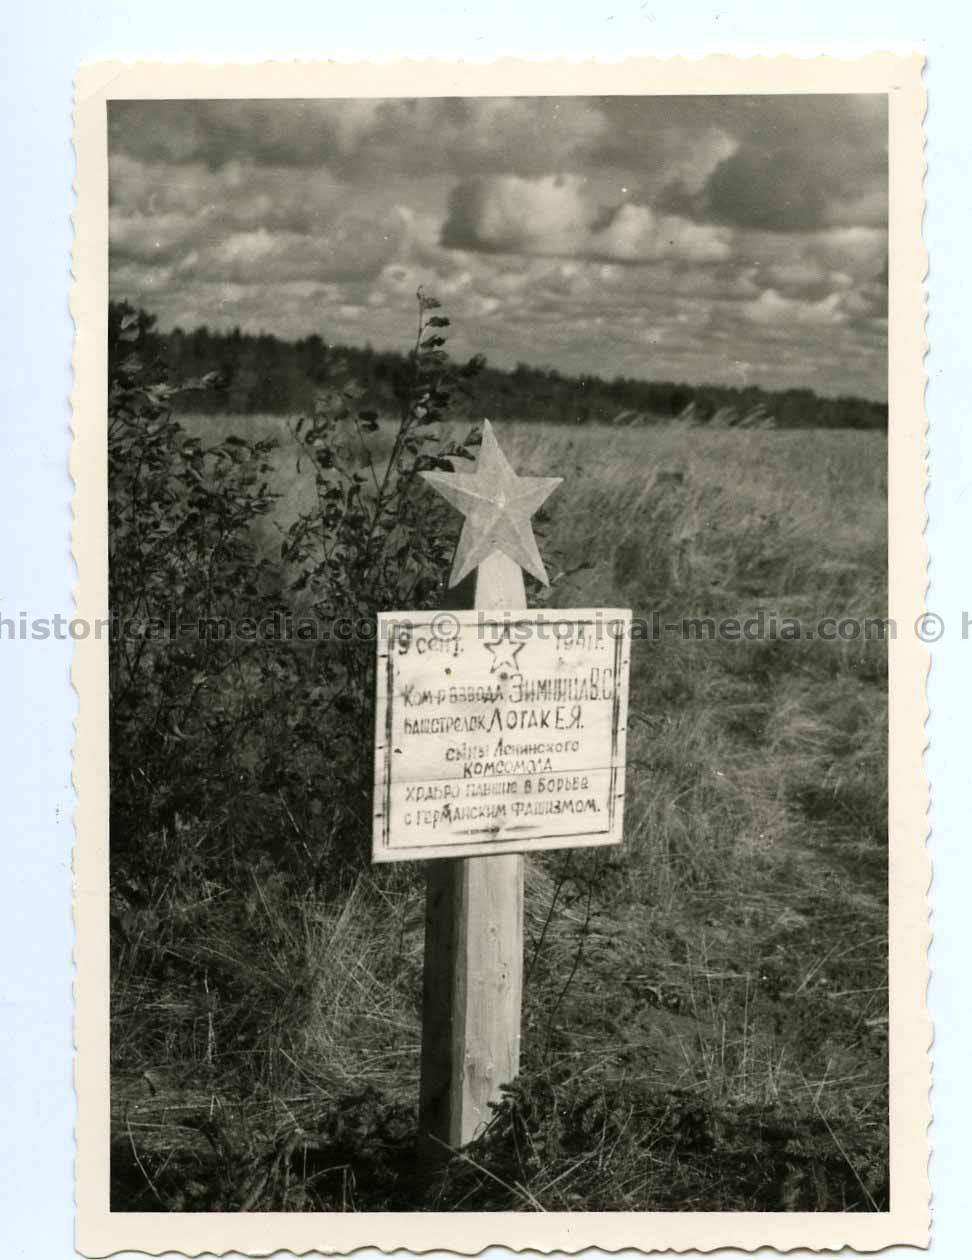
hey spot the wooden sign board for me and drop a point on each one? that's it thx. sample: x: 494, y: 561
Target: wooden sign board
x: 499, y: 732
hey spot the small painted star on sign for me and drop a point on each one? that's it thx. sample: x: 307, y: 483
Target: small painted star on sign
x: 504, y: 653
x: 497, y: 505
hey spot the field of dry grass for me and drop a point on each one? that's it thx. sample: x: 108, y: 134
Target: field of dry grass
x: 705, y: 1020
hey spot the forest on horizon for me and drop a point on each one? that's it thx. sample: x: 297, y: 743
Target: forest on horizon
x: 262, y: 373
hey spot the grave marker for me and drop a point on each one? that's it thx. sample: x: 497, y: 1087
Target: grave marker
x: 498, y: 732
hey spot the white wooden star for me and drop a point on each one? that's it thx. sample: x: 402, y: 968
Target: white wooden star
x: 497, y: 505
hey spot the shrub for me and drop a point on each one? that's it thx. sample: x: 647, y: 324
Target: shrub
x: 255, y: 737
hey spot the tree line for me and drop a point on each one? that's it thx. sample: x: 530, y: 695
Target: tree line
x: 261, y: 373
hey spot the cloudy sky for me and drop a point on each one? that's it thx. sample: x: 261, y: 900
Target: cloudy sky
x: 700, y: 239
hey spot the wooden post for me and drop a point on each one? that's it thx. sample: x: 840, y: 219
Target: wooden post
x: 473, y: 977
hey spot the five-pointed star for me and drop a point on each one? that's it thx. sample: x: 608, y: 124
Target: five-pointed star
x: 504, y: 652
x: 497, y: 505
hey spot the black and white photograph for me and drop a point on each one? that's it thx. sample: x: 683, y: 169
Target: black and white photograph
x: 498, y: 653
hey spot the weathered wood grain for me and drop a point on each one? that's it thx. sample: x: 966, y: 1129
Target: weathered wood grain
x: 473, y: 976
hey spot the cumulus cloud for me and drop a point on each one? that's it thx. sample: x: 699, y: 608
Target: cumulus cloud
x: 800, y: 164
x: 773, y: 309
x: 237, y: 195
x: 353, y: 249
x: 809, y: 266
x: 555, y: 216
x: 238, y: 225
x: 406, y: 136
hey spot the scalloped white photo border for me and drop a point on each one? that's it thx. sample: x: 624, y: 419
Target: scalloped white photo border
x: 100, y: 1232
